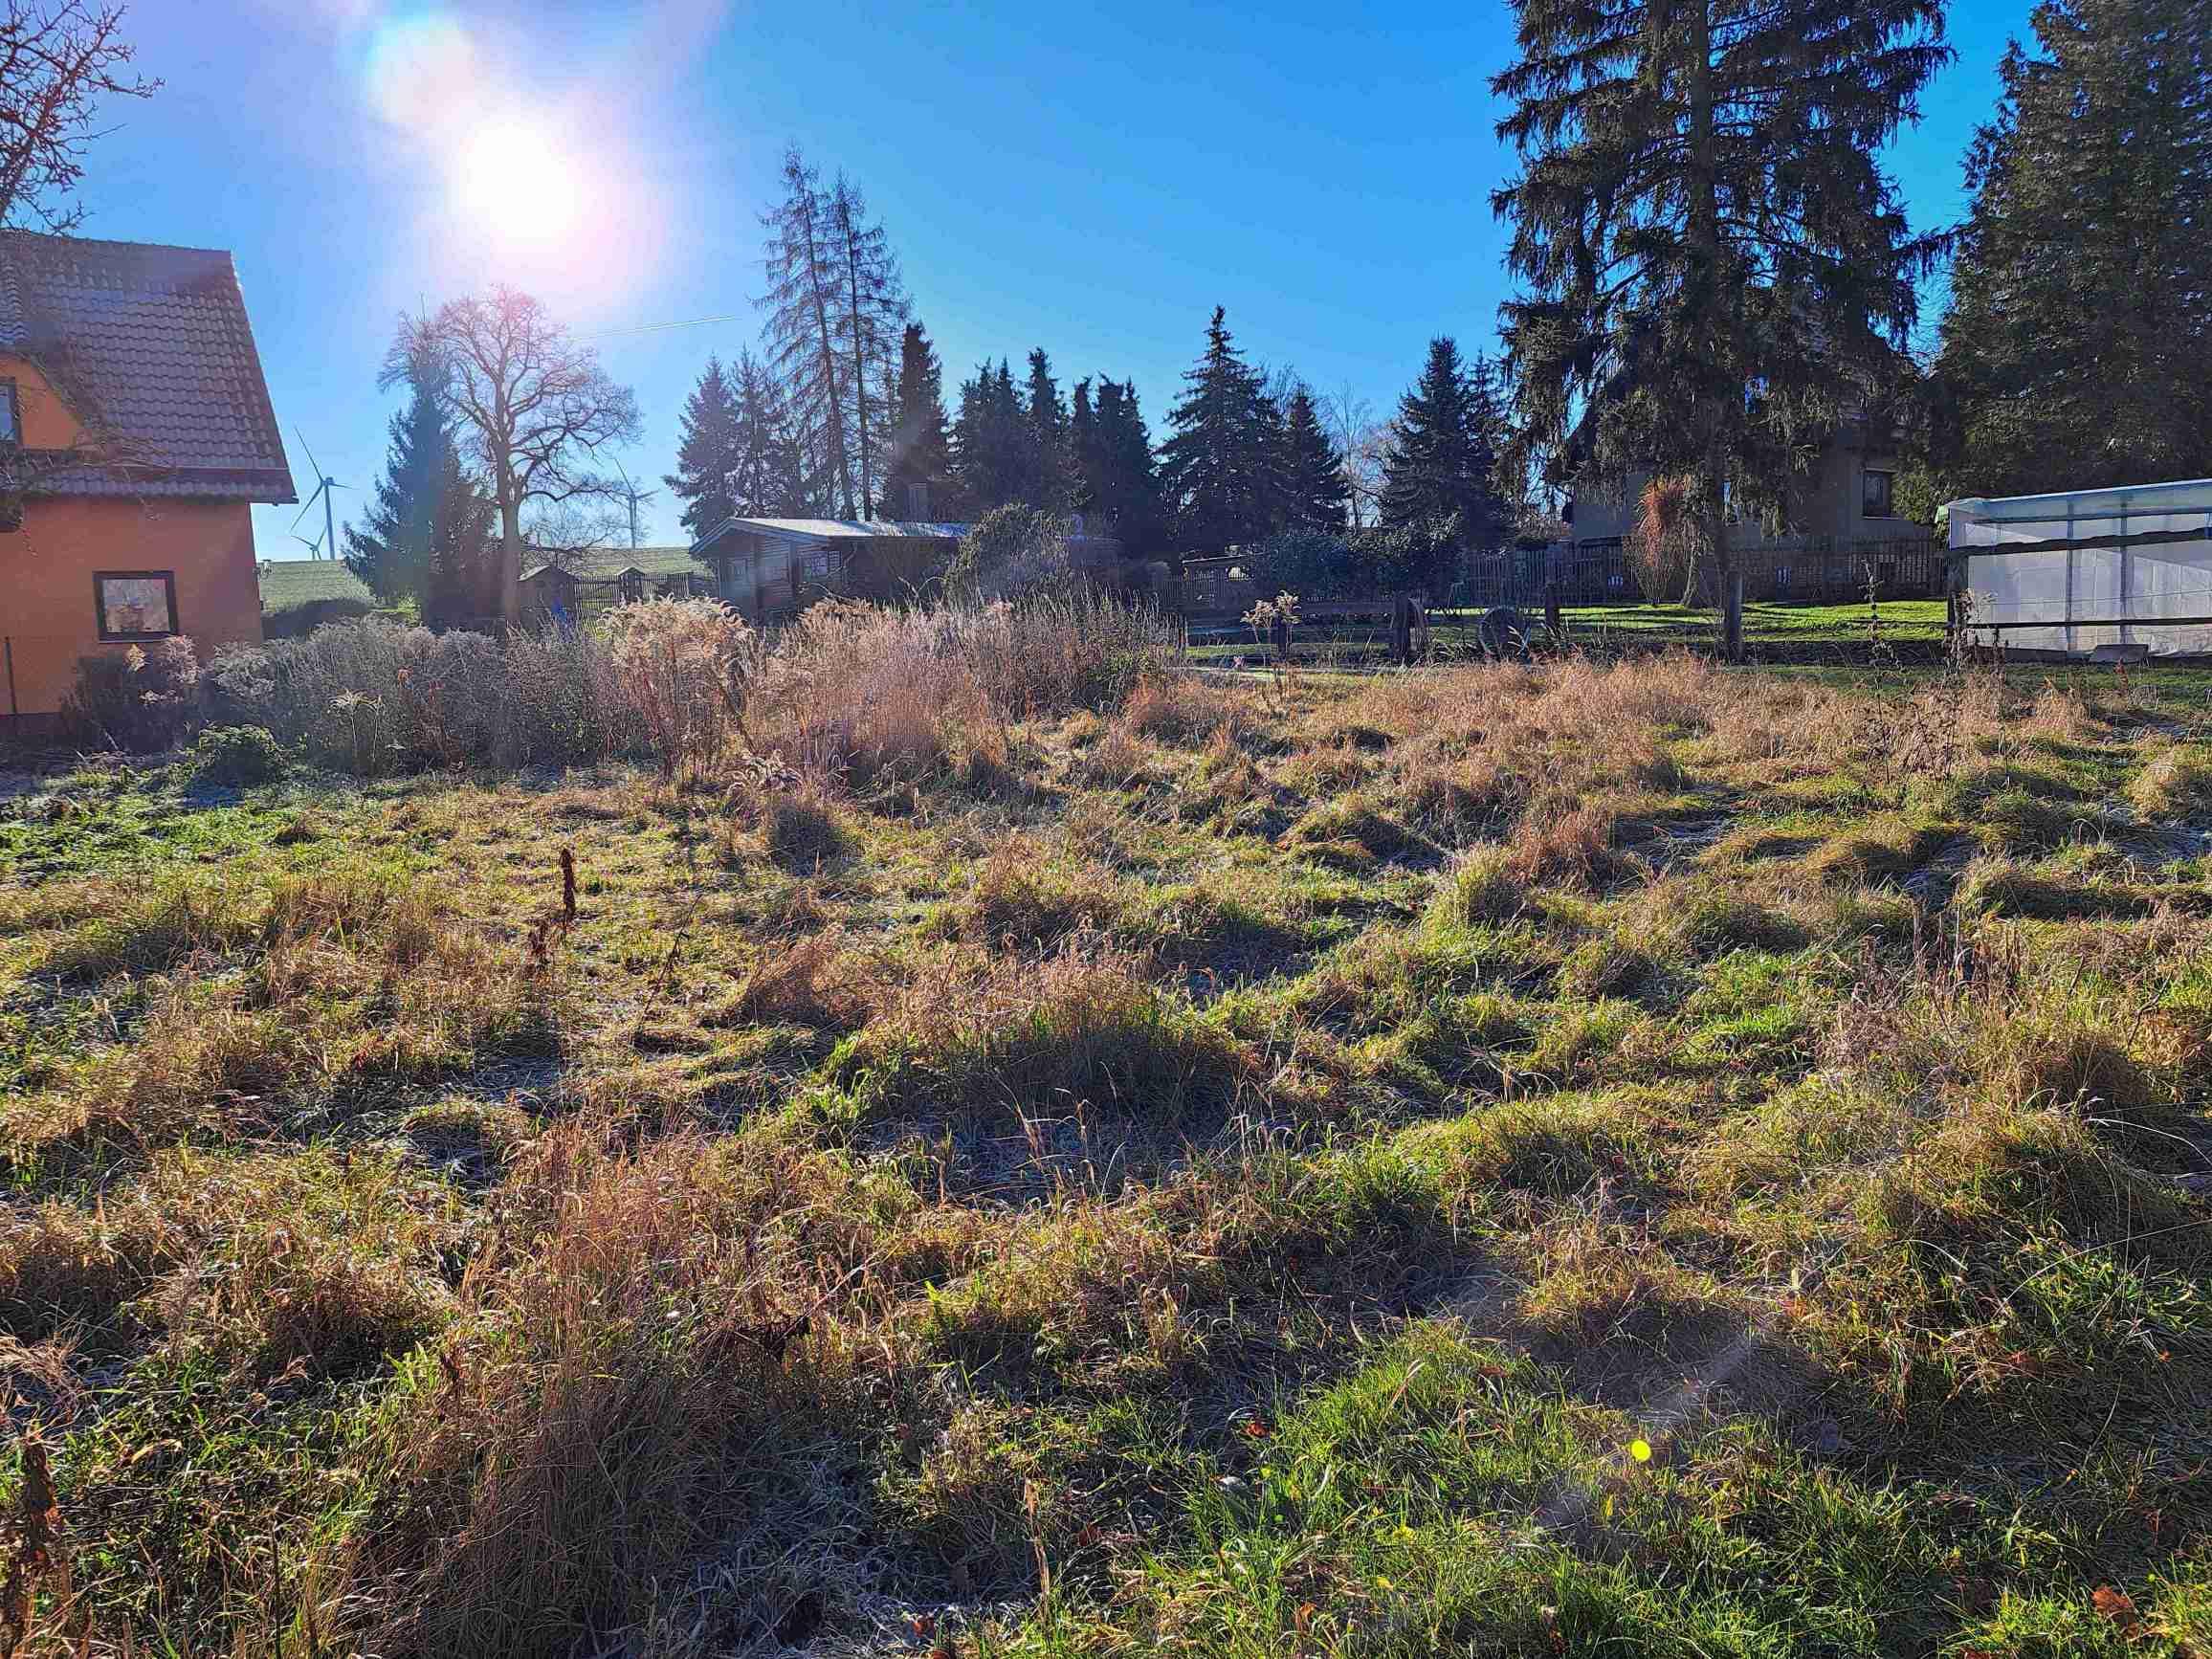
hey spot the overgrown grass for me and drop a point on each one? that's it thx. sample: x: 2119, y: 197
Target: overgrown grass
x: 1011, y: 1150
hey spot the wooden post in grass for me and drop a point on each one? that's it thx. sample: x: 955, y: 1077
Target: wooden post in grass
x: 1732, y: 615
x: 1552, y: 618
x: 1402, y: 629
x: 567, y: 884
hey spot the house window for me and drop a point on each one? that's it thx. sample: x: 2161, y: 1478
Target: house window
x: 816, y: 566
x: 11, y: 414
x: 135, y: 604
x: 1877, y: 495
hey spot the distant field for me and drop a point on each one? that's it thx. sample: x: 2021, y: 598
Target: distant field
x: 286, y: 583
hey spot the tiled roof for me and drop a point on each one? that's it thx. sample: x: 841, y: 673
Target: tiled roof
x: 151, y: 347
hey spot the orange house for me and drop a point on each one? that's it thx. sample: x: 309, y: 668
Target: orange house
x: 135, y: 434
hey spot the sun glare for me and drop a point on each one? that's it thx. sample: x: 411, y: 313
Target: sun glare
x: 514, y: 180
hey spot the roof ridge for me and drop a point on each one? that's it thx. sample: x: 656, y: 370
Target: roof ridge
x: 51, y: 240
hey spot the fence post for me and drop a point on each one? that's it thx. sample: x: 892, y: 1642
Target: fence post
x: 1732, y: 642
x: 1552, y: 618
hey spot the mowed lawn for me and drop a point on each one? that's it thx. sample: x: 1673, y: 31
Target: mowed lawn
x: 1549, y: 1160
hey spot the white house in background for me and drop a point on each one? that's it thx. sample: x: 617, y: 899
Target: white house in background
x: 2099, y: 573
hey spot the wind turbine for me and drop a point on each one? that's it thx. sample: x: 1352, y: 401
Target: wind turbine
x: 325, y: 484
x: 633, y: 494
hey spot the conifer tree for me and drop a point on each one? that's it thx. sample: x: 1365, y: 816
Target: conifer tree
x: 1052, y: 482
x: 991, y: 441
x: 427, y: 535
x: 1716, y: 268
x: 462, y: 582
x: 870, y: 309
x: 1313, y: 495
x: 768, y: 476
x: 919, y: 466
x: 2076, y: 348
x: 706, y: 454
x: 1218, y: 467
x: 1438, y: 470
x: 805, y: 342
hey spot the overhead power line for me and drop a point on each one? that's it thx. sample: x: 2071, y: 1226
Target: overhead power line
x: 664, y: 327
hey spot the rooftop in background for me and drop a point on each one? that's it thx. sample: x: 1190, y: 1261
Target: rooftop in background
x: 604, y: 563
x: 151, y: 348
x: 839, y: 529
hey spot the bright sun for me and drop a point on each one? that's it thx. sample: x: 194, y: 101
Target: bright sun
x: 514, y: 180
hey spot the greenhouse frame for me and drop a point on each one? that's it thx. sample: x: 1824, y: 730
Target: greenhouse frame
x: 2106, y: 574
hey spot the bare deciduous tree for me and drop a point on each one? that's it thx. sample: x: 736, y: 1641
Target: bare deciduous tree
x: 57, y: 60
x: 533, y: 407
x: 1364, y: 443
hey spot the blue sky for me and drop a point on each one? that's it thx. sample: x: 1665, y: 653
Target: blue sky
x: 1092, y: 178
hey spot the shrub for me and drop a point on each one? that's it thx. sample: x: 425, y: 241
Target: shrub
x: 237, y: 757
x: 681, y: 664
x: 1665, y: 541
x: 140, y: 698
x: 375, y: 698
x: 1011, y: 551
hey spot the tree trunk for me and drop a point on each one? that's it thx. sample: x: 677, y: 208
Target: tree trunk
x: 1704, y: 238
x: 859, y: 368
x: 510, y: 551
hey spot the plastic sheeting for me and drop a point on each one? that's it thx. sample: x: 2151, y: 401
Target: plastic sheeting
x: 2131, y: 565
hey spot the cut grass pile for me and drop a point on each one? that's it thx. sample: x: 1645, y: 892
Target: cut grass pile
x: 1515, y: 1159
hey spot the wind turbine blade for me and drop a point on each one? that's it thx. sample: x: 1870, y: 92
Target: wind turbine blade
x: 306, y: 507
x: 311, y: 460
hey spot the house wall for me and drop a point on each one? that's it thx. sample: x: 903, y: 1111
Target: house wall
x: 1826, y: 501
x: 47, y: 613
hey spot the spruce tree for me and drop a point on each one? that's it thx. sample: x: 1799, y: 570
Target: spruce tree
x: 920, y: 447
x: 1717, y: 269
x: 461, y: 580
x: 2076, y: 348
x: 768, y: 476
x: 394, y: 548
x: 991, y: 441
x: 1051, y: 481
x: 806, y: 343
x: 1313, y: 493
x: 707, y: 453
x: 1437, y: 471
x: 1218, y: 467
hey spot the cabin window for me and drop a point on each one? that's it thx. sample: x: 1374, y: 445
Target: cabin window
x: 815, y: 567
x: 1877, y: 495
x: 11, y: 413
x: 135, y: 604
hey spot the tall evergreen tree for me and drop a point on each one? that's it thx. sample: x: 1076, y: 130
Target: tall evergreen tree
x: 768, y: 475
x: 428, y: 535
x: 991, y: 441
x: 462, y: 583
x: 1717, y: 268
x: 1439, y: 466
x: 920, y: 450
x: 706, y: 454
x: 1052, y: 481
x: 1218, y: 467
x: 2076, y: 348
x: 870, y: 310
x: 804, y: 338
x: 1313, y: 497
x: 391, y: 550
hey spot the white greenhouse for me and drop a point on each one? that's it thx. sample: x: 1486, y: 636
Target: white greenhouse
x: 2108, y: 574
